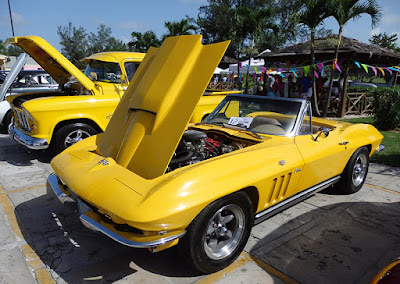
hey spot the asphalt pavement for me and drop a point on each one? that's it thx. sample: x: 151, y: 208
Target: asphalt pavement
x: 328, y: 238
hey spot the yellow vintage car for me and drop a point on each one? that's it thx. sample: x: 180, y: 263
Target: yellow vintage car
x: 85, y: 101
x: 153, y: 181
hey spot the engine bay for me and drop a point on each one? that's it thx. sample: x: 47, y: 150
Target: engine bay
x: 196, y: 146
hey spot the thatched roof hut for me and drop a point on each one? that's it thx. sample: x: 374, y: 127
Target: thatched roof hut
x: 325, y: 50
x: 325, y: 47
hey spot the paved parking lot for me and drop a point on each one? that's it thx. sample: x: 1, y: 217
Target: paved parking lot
x: 328, y: 238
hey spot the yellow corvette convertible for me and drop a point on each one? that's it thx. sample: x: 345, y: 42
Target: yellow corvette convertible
x: 152, y: 180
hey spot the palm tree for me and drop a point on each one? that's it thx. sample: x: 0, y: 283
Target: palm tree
x: 251, y: 23
x: 343, y: 11
x: 141, y: 42
x: 183, y: 27
x: 312, y: 14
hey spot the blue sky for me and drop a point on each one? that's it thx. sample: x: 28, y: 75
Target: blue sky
x: 42, y: 17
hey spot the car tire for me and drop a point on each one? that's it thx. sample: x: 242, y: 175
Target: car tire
x: 7, y: 118
x: 70, y: 134
x: 355, y: 172
x: 219, y: 233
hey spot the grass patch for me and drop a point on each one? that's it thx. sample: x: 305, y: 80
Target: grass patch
x: 391, y: 155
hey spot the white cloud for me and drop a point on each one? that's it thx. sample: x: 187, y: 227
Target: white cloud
x: 375, y: 31
x: 193, y: 1
x: 125, y: 39
x: 131, y: 25
x: 18, y: 20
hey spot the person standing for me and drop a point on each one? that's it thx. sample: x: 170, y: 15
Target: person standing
x: 305, y: 83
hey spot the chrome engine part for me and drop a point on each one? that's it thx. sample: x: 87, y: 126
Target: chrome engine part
x: 196, y: 146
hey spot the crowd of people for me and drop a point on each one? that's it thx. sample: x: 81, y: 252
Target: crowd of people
x: 290, y: 86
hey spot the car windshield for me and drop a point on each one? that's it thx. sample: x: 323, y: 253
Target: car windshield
x: 256, y: 114
x: 101, y: 71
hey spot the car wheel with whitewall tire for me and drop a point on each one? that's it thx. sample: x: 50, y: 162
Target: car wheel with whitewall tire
x: 219, y: 233
x: 355, y: 172
x: 70, y: 134
x: 7, y: 118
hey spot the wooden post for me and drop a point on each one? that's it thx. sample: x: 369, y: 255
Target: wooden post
x: 395, y: 78
x: 342, y: 108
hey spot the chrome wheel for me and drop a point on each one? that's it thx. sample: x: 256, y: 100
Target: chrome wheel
x: 224, y: 232
x: 360, y: 169
x: 75, y: 136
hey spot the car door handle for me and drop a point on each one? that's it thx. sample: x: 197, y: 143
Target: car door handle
x: 344, y: 143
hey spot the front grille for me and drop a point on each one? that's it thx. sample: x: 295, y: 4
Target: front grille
x: 22, y: 119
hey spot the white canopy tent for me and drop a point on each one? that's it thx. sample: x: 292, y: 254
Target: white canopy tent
x: 258, y: 63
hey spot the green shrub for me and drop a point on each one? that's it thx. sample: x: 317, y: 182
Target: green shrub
x: 387, y: 107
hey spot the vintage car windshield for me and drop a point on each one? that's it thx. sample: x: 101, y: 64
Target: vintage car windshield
x: 256, y: 114
x: 101, y: 71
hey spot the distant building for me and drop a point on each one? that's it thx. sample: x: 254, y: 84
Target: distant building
x: 29, y: 65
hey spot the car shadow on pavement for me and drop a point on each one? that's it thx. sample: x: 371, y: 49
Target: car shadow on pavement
x: 75, y: 254
x: 347, y: 242
x: 18, y: 155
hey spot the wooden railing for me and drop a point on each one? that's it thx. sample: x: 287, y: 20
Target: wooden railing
x: 220, y: 86
x: 359, y: 103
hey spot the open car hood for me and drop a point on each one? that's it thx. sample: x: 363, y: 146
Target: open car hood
x: 22, y: 58
x: 151, y: 118
x: 52, y: 61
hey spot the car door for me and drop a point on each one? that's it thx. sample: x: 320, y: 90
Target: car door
x: 324, y: 157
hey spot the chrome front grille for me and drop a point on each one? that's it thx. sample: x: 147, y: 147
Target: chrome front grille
x: 22, y: 120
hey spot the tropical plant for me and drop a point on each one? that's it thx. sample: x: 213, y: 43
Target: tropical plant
x: 141, y: 42
x: 183, y: 27
x: 74, y: 43
x: 3, y: 49
x: 343, y: 11
x: 385, y: 40
x: 104, y: 41
x: 312, y: 14
x: 250, y: 25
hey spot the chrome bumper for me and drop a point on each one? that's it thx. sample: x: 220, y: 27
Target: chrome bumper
x: 28, y: 141
x: 95, y: 226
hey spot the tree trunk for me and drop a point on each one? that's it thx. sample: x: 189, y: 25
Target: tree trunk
x: 314, y: 100
x: 328, y: 95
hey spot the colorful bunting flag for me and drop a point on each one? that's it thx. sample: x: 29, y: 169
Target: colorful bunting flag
x: 390, y: 71
x: 335, y: 65
x: 264, y: 69
x: 306, y: 69
x: 365, y: 67
x: 374, y: 69
x: 240, y: 64
x: 383, y: 72
x: 320, y: 66
x: 294, y: 72
x: 255, y: 68
x: 316, y: 74
x: 322, y: 71
x: 357, y: 63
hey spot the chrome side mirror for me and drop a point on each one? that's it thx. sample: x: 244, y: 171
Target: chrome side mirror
x: 323, y: 130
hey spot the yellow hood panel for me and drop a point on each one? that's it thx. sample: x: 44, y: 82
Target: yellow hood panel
x: 150, y: 119
x: 52, y: 61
